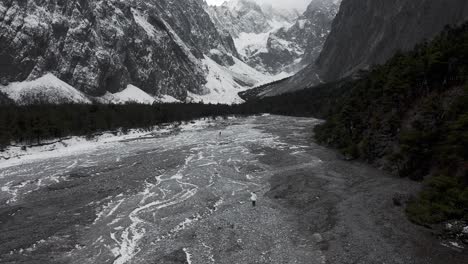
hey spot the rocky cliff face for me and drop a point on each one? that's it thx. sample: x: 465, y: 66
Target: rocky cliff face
x: 246, y: 16
x: 251, y: 26
x: 276, y: 41
x: 312, y: 28
x: 96, y: 46
x: 368, y: 32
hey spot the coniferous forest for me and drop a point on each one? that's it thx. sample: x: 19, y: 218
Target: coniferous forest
x: 33, y: 123
x: 409, y: 116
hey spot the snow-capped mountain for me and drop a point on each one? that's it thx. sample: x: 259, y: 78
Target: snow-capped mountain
x: 276, y: 41
x: 100, y: 47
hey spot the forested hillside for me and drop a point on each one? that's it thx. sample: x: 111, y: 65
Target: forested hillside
x: 410, y: 116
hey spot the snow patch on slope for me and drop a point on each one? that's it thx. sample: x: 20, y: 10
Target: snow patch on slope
x: 46, y: 89
x: 141, y: 20
x: 224, y: 83
x: 249, y: 44
x: 167, y: 99
x: 132, y: 94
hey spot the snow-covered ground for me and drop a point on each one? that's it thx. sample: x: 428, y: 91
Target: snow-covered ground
x: 131, y: 94
x: 223, y: 85
x: 249, y: 44
x: 225, y: 82
x: 50, y: 89
x: 46, y: 89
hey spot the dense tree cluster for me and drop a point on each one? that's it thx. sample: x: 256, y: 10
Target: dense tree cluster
x: 410, y: 115
x: 4, y: 100
x: 34, y: 123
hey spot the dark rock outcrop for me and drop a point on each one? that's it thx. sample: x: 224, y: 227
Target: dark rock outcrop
x: 4, y: 100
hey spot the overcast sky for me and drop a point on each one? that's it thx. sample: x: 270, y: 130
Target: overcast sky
x: 298, y: 4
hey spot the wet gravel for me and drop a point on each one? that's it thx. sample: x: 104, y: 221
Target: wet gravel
x: 184, y: 198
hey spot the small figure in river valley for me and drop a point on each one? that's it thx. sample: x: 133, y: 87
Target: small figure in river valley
x: 219, y: 133
x: 253, y: 198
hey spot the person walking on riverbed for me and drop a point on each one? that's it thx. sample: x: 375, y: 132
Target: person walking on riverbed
x: 253, y: 198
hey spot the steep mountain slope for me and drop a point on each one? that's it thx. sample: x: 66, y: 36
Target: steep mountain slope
x: 101, y: 46
x: 311, y: 29
x: 276, y: 41
x: 306, y: 77
x: 250, y: 25
x: 368, y: 32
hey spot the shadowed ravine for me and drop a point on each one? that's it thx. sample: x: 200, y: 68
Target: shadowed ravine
x: 184, y: 198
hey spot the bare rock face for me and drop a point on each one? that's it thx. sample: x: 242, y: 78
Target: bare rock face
x: 368, y: 32
x: 292, y: 48
x: 104, y: 45
x: 312, y: 28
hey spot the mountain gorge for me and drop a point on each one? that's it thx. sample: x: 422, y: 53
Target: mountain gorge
x: 367, y: 33
x: 162, y: 47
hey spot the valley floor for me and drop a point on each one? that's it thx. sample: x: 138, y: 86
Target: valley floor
x: 184, y: 198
